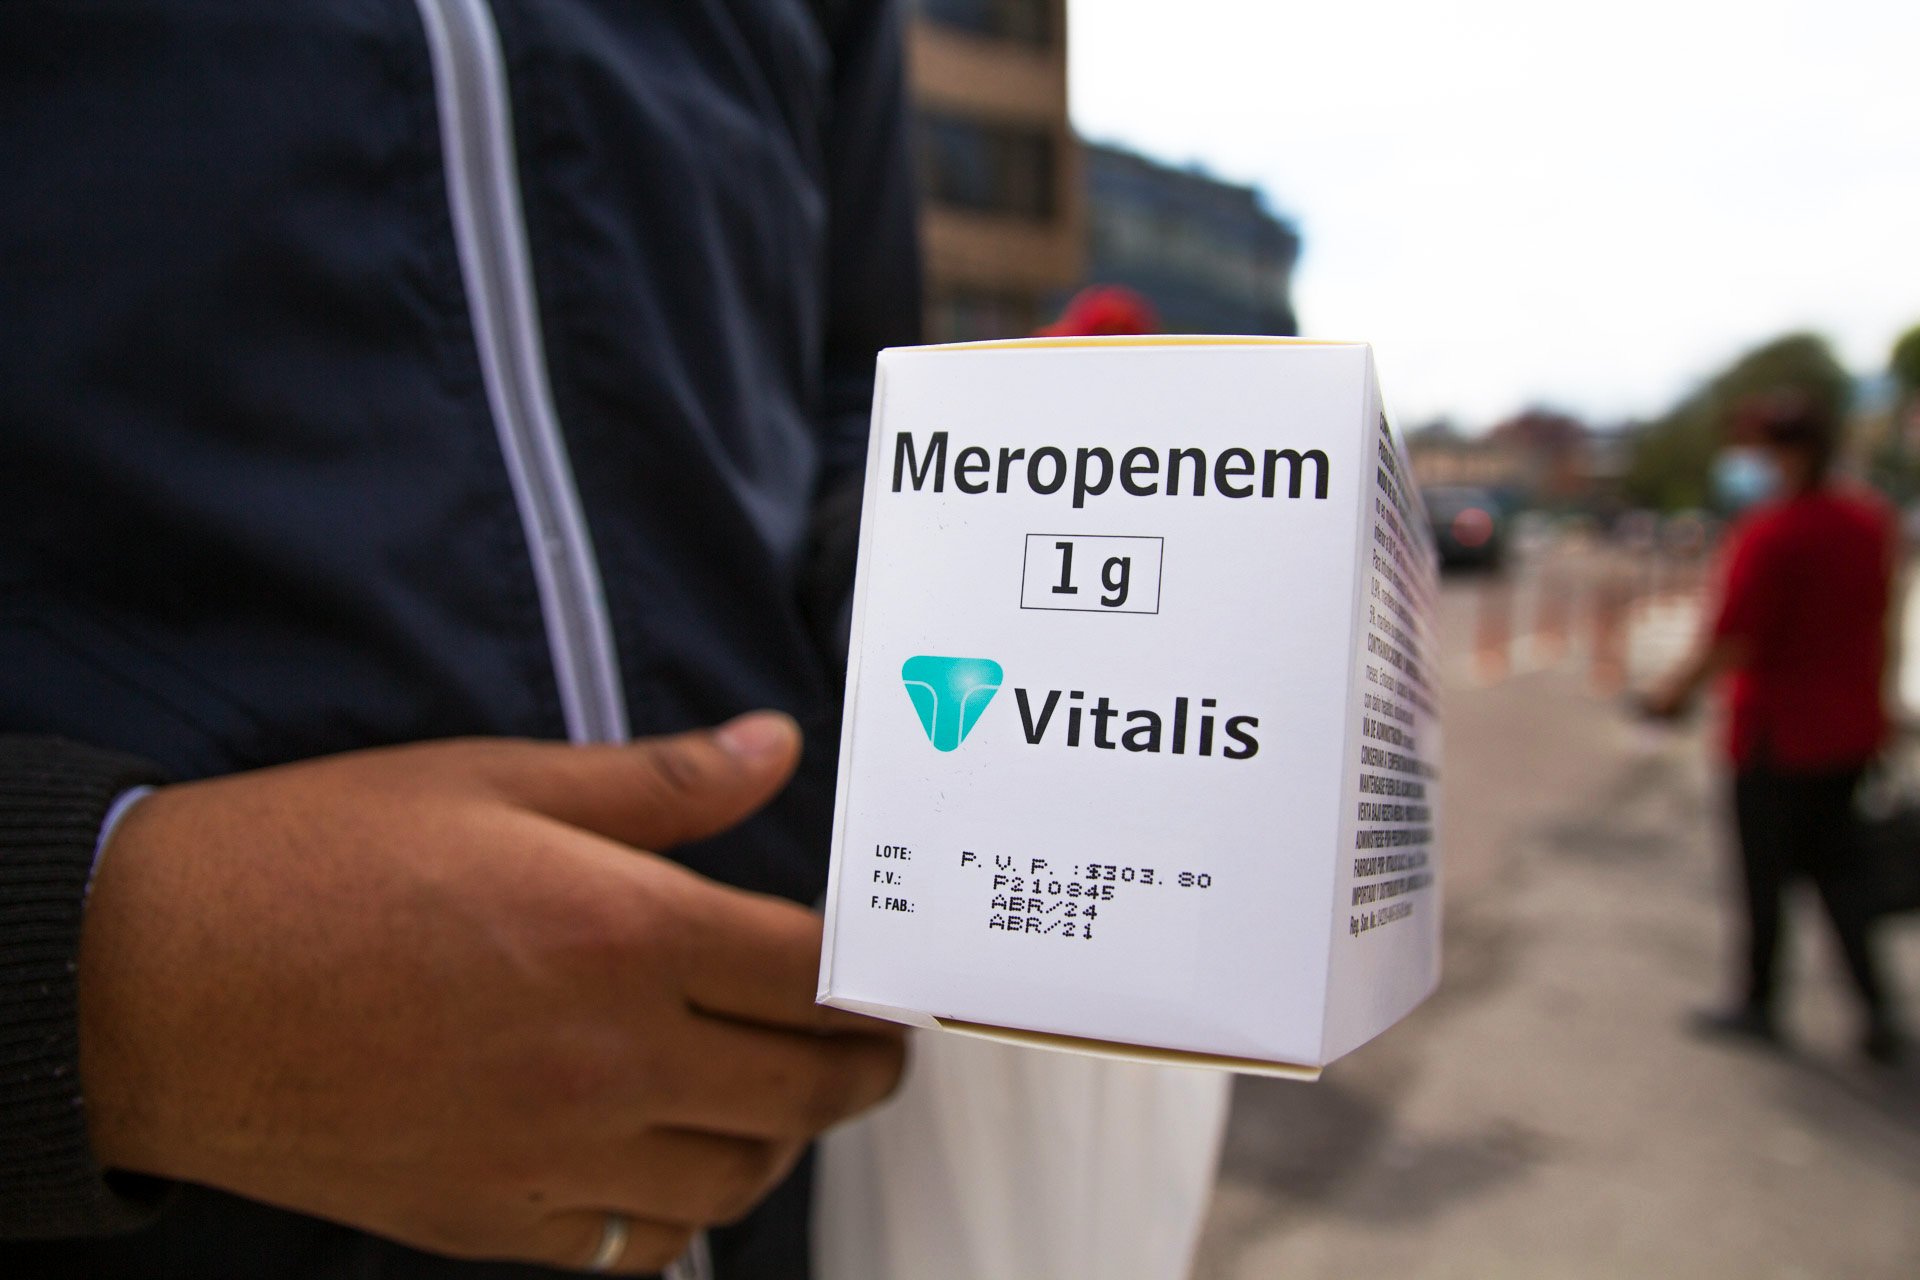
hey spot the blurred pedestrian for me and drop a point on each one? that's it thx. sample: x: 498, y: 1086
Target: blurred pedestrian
x: 1800, y: 627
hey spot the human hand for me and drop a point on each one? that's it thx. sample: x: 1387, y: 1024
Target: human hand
x: 443, y: 993
x: 1668, y: 702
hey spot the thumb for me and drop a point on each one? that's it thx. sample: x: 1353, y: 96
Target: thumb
x: 655, y: 793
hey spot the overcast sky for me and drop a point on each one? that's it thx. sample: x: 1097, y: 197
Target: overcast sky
x: 1522, y: 202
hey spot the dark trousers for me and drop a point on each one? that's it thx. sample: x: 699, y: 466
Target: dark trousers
x: 1802, y: 824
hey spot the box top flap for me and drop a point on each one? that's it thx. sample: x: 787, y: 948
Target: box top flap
x: 1136, y: 340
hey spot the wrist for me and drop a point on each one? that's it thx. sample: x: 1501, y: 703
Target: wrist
x: 114, y: 998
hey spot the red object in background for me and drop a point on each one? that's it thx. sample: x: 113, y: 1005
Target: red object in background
x: 1472, y: 527
x: 1104, y: 310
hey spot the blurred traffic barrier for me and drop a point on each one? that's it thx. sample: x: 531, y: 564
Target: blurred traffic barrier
x: 1555, y: 615
x: 1624, y: 611
x: 1613, y: 598
x: 1493, y: 637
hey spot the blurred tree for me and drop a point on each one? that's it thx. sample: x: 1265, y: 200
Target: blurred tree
x: 1894, y: 467
x: 1669, y: 470
x: 1905, y: 363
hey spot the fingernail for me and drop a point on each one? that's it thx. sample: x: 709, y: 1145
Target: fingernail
x: 757, y: 735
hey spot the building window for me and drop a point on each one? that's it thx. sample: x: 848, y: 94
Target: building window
x: 987, y: 168
x: 1028, y: 21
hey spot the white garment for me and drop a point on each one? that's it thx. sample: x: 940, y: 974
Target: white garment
x: 999, y: 1162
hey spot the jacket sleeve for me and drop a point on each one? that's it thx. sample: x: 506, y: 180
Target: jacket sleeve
x: 54, y: 795
x: 873, y: 281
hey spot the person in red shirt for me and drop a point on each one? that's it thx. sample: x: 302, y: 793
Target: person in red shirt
x: 1800, y: 628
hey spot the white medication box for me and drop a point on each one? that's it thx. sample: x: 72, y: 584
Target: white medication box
x: 1140, y: 733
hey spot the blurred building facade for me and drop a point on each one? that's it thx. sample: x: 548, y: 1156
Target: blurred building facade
x: 1537, y: 458
x: 1003, y: 217
x: 1207, y: 254
x: 1018, y: 213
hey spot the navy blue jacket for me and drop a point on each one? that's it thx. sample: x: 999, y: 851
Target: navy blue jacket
x: 259, y: 388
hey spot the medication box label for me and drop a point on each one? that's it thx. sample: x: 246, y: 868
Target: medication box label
x: 1137, y: 734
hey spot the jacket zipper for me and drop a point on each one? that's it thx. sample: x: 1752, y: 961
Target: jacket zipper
x: 483, y: 189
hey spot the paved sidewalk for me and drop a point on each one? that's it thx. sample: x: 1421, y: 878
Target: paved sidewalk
x: 1546, y: 1115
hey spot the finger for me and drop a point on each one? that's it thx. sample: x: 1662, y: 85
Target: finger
x: 756, y: 958
x: 756, y: 1082
x: 573, y: 1242
x: 655, y: 793
x: 683, y: 1176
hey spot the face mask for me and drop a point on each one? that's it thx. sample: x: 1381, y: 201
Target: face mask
x: 1744, y: 476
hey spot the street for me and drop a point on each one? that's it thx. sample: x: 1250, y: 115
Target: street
x: 1547, y: 1113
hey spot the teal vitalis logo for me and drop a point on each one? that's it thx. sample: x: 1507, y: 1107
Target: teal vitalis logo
x: 949, y: 694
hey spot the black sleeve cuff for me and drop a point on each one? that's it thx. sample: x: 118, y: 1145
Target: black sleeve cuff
x: 54, y: 795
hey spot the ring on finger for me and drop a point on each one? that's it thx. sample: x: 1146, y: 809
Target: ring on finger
x: 614, y: 1233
